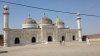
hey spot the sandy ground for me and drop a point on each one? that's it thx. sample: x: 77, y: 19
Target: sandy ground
x: 52, y: 50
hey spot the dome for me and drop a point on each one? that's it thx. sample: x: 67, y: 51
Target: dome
x: 6, y: 7
x: 45, y: 20
x: 59, y: 23
x: 29, y: 23
x: 29, y: 20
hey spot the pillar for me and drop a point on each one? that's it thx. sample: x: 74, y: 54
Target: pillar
x: 6, y: 24
x: 79, y: 27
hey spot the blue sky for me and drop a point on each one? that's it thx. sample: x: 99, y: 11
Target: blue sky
x: 90, y: 25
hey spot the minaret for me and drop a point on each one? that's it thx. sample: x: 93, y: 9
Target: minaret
x: 42, y: 32
x: 79, y: 27
x: 6, y: 24
x: 42, y: 38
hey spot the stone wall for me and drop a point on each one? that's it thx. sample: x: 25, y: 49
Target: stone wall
x: 26, y: 35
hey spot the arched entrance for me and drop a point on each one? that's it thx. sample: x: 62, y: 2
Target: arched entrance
x: 33, y: 39
x: 49, y: 39
x: 84, y: 38
x: 73, y: 37
x: 63, y: 38
x: 17, y: 41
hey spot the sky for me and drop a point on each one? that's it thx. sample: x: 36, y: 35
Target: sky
x: 90, y: 24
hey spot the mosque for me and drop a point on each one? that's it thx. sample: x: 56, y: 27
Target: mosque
x: 46, y: 31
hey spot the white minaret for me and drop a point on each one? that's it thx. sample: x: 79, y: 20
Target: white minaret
x: 79, y: 27
x: 42, y: 32
x: 6, y: 24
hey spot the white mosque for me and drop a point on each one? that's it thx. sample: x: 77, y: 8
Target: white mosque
x: 45, y: 31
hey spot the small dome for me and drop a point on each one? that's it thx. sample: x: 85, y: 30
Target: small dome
x: 6, y: 7
x: 45, y: 20
x: 29, y: 20
x: 59, y: 22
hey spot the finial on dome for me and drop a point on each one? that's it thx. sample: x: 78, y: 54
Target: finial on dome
x: 57, y: 17
x: 29, y: 16
x: 44, y: 14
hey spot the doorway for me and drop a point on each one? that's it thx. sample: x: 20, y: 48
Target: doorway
x: 49, y: 39
x: 33, y: 39
x: 63, y: 38
x: 17, y: 41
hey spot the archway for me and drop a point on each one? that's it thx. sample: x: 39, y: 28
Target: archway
x: 84, y: 38
x: 33, y: 39
x: 63, y: 38
x: 73, y: 37
x: 49, y: 38
x: 17, y: 41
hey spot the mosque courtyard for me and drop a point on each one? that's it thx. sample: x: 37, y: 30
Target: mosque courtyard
x: 54, y: 49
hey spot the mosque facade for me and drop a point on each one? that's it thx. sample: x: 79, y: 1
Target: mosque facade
x: 46, y: 31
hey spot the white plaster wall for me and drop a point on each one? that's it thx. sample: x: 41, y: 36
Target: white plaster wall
x: 25, y: 35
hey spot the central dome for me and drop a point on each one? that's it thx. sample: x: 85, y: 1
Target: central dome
x: 29, y: 21
x: 45, y: 20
